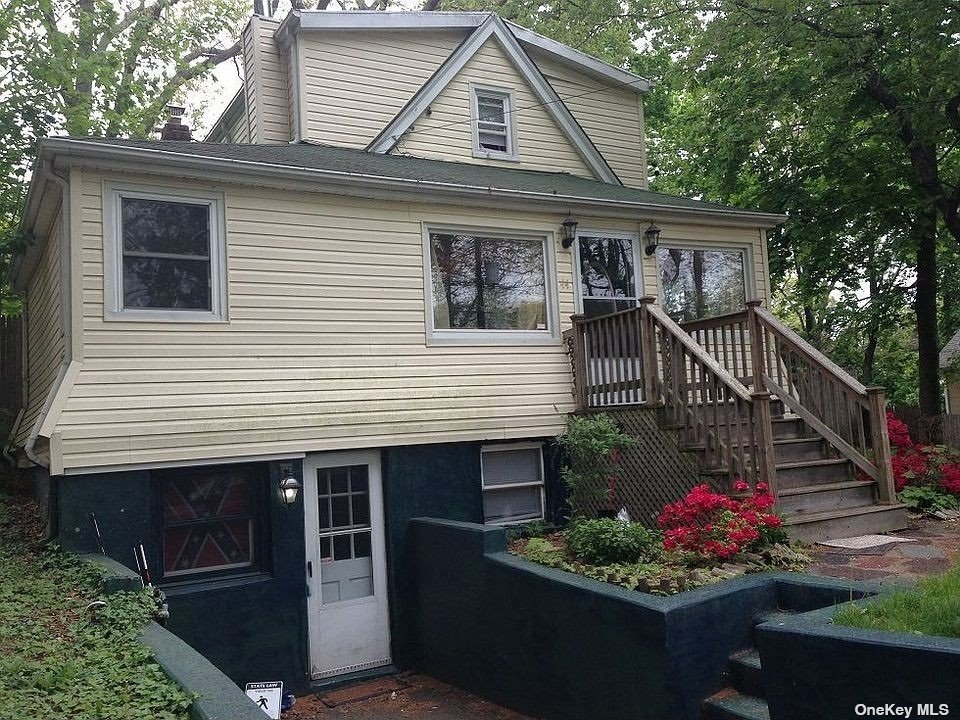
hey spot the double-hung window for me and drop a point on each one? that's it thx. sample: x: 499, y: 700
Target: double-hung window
x: 494, y: 128
x: 512, y: 478
x: 488, y: 286
x: 164, y: 255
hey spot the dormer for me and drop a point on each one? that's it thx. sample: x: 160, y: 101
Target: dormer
x: 457, y: 86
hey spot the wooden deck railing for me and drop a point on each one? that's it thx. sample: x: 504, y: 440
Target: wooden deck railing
x: 714, y: 378
x: 641, y: 355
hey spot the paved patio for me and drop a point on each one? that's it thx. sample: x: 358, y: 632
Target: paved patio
x: 936, y: 548
x: 407, y: 695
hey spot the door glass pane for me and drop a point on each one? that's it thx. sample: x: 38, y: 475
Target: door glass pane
x: 697, y: 284
x: 606, y: 269
x: 346, y: 567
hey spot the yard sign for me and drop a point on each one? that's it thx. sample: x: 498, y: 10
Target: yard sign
x: 267, y: 697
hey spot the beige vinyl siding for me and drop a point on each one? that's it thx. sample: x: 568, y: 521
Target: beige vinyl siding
x: 265, y: 81
x: 611, y: 116
x: 446, y: 133
x: 44, y: 332
x: 325, y: 348
x: 354, y: 83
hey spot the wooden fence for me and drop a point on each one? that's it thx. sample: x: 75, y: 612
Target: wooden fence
x: 10, y: 359
x: 934, y: 429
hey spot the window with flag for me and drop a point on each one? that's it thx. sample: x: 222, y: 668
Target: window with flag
x: 210, y: 520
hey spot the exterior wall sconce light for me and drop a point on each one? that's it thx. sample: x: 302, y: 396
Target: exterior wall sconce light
x: 289, y: 486
x: 569, y: 230
x: 651, y: 238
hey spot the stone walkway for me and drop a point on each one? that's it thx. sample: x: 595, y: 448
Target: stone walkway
x: 407, y: 695
x: 936, y: 548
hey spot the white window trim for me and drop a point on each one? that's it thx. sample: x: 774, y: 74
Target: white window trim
x: 113, y: 254
x: 445, y: 336
x: 746, y: 252
x: 504, y: 447
x: 638, y: 280
x: 510, y: 116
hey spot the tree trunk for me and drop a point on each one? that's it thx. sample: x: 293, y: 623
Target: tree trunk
x: 925, y: 307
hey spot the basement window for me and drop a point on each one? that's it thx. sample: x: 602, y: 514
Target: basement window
x: 512, y: 479
x: 212, y: 520
x: 165, y: 256
x: 494, y: 123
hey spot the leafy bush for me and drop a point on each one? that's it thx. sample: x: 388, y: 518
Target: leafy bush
x: 532, y: 529
x: 716, y: 527
x: 926, y: 476
x: 608, y: 541
x: 923, y: 498
x: 932, y: 608
x: 593, y: 446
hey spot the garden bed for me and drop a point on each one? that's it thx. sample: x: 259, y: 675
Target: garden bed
x: 60, y: 659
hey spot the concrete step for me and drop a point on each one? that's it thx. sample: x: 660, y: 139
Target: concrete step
x: 745, y: 674
x: 813, y: 472
x: 848, y: 522
x: 828, y: 496
x: 731, y: 705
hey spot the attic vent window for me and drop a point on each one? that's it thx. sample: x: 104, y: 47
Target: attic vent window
x: 494, y: 126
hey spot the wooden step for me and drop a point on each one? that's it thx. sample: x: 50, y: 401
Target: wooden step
x: 789, y: 427
x: 813, y: 472
x: 849, y: 522
x: 829, y: 496
x: 799, y: 449
x: 731, y: 705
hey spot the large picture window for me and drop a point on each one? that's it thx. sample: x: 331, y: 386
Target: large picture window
x: 164, y: 256
x: 211, y: 520
x: 699, y: 283
x: 488, y: 285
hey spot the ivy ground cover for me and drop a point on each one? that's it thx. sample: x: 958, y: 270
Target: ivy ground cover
x: 58, y: 659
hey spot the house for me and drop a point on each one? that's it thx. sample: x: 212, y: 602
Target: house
x: 948, y: 368
x: 386, y: 277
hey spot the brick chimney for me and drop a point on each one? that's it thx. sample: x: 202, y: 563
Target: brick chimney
x: 174, y: 129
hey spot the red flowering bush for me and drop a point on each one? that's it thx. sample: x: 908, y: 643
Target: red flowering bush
x: 715, y: 526
x: 936, y: 467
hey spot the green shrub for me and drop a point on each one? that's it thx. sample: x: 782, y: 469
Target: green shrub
x: 532, y: 529
x: 607, y: 541
x: 924, y: 498
x: 593, y: 446
x: 542, y: 551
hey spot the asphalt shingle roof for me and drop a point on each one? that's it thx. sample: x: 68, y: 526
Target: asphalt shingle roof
x: 310, y: 156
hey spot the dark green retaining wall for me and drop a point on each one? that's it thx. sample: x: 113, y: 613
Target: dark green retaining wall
x: 557, y: 645
x: 813, y: 669
x: 253, y: 627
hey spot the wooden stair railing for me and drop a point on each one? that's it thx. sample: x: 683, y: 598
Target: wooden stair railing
x: 753, y: 344
x: 641, y: 356
x: 849, y: 415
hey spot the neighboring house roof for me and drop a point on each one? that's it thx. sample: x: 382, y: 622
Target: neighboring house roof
x: 235, y: 107
x: 336, y: 165
x: 298, y: 20
x: 950, y: 352
x: 494, y: 27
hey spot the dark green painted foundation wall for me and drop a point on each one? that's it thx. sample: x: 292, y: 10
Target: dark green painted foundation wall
x: 251, y: 627
x: 255, y: 628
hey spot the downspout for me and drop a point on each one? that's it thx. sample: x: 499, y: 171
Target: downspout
x: 65, y: 224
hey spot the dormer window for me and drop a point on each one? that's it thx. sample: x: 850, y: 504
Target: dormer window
x: 494, y: 124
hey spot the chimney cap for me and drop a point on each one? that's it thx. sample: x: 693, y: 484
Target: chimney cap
x: 176, y: 111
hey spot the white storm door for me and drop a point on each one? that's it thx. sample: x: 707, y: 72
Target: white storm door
x: 348, y: 620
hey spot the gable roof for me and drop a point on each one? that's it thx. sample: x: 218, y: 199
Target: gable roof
x: 950, y: 352
x: 346, y: 20
x: 494, y: 27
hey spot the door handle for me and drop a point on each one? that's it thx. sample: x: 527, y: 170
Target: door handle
x: 309, y: 568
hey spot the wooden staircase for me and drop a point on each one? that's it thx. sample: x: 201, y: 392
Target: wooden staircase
x: 816, y: 436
